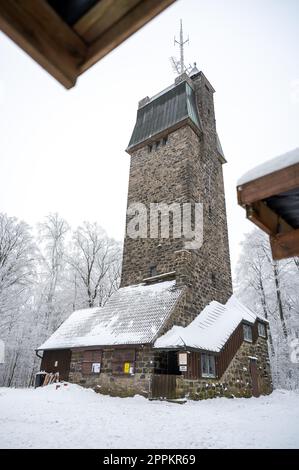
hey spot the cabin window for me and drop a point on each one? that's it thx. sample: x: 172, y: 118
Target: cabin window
x: 92, y: 360
x: 247, y: 330
x: 208, y: 368
x: 261, y: 329
x: 123, y: 362
x: 153, y: 271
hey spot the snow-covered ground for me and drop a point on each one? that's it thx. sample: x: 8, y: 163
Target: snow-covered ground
x: 74, y: 417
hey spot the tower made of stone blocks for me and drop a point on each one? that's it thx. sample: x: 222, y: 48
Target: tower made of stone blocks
x: 176, y: 157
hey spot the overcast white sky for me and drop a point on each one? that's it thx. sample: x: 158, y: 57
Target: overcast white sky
x: 65, y: 150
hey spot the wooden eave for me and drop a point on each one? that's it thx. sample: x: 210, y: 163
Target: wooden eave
x: 68, y: 51
x: 253, y: 195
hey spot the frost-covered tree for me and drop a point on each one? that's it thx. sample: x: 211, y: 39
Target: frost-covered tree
x: 43, y: 279
x: 95, y: 265
x: 17, y: 276
x: 52, y: 264
x: 271, y: 288
x: 50, y: 306
x: 16, y: 267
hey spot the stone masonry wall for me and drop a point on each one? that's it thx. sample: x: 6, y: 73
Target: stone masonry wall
x: 117, y: 385
x: 186, y: 169
x: 236, y: 380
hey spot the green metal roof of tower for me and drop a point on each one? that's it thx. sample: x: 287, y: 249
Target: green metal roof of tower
x: 168, y: 110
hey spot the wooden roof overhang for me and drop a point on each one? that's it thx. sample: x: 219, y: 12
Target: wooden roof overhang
x: 272, y: 203
x: 67, y: 37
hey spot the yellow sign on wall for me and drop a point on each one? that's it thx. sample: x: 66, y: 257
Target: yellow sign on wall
x: 127, y: 368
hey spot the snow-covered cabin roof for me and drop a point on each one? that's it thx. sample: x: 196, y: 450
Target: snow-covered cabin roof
x: 132, y: 315
x: 271, y: 166
x: 211, y: 328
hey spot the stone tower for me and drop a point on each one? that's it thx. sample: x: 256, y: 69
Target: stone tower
x: 176, y: 157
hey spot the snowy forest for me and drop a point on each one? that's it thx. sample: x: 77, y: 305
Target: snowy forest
x: 50, y: 270
x: 46, y: 272
x: 271, y: 288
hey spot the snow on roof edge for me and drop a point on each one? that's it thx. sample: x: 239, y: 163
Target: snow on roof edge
x: 211, y: 329
x: 134, y: 314
x: 271, y: 166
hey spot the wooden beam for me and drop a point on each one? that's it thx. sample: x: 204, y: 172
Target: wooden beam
x: 266, y: 219
x: 101, y: 17
x: 269, y: 185
x: 38, y: 30
x: 124, y: 28
x: 285, y: 245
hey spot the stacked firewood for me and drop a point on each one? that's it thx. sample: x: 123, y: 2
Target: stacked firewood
x: 51, y: 378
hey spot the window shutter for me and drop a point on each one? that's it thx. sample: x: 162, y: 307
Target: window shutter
x: 90, y: 356
x: 87, y: 356
x: 97, y: 356
x: 86, y: 368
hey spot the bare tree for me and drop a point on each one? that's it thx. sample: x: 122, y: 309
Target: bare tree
x: 95, y: 260
x: 52, y: 239
x: 42, y: 281
x: 17, y: 268
x: 17, y: 277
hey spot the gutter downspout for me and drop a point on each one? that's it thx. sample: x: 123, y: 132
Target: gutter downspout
x: 36, y: 352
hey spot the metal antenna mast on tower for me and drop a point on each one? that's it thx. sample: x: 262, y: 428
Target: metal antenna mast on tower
x: 179, y: 65
x: 181, y: 43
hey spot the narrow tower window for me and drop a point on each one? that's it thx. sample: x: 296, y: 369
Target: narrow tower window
x: 153, y: 271
x: 164, y: 141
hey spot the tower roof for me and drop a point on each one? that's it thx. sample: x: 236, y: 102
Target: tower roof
x: 169, y: 109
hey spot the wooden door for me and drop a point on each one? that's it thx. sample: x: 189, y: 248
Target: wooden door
x: 57, y: 361
x: 254, y: 378
x: 164, y: 386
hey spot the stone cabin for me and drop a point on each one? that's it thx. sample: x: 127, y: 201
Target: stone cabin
x: 173, y: 329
